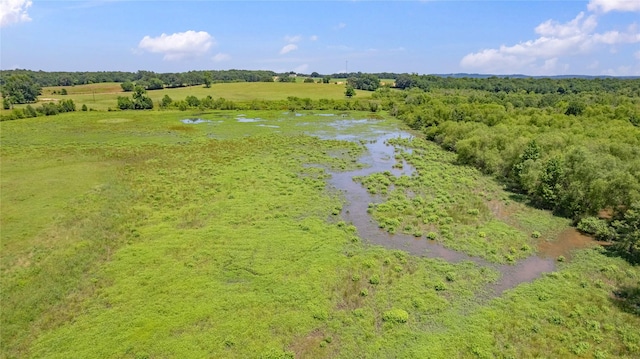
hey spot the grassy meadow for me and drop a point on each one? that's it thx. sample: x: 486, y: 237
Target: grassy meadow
x: 130, y: 234
x: 102, y: 96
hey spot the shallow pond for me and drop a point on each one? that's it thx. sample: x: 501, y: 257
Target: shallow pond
x: 379, y: 158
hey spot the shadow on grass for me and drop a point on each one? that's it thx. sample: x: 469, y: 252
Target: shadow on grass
x: 614, y: 249
x: 628, y: 299
x: 520, y: 198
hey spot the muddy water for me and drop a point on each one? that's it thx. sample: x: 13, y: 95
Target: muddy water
x: 380, y: 158
x: 567, y: 241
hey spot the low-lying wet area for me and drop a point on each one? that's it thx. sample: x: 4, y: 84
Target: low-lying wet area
x: 248, y: 120
x: 194, y: 121
x: 380, y: 157
x: 568, y: 240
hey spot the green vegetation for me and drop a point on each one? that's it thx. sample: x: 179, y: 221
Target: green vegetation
x: 18, y: 89
x: 139, y: 100
x: 574, y: 152
x: 210, y: 232
x: 456, y: 205
x: 366, y: 82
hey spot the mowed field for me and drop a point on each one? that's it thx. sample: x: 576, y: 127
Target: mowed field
x: 103, y: 96
x: 131, y: 234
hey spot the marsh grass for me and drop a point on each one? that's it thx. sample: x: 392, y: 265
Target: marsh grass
x: 125, y: 234
x: 456, y: 205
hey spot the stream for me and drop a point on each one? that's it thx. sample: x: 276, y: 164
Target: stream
x: 380, y: 158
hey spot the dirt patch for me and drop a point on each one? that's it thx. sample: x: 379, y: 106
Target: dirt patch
x: 605, y: 213
x: 501, y: 210
x: 307, y: 346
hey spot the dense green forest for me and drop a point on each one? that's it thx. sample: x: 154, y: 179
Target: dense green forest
x: 575, y: 152
x: 190, y: 78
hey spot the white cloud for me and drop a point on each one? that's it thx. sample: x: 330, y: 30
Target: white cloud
x: 313, y: 38
x: 178, y: 45
x: 614, y: 5
x: 288, y: 48
x: 574, y: 27
x: 14, y: 11
x: 540, y: 56
x: 616, y: 37
x: 221, y: 57
x: 291, y: 39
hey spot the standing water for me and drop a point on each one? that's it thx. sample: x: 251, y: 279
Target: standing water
x: 380, y: 158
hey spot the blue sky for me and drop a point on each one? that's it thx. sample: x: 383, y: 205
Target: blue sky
x: 590, y: 37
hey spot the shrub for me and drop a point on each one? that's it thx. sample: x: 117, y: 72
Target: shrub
x: 29, y: 111
x: 125, y: 103
x: 127, y: 86
x: 596, y: 227
x: 395, y: 316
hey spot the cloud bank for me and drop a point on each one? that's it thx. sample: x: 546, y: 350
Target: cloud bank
x: 178, y: 45
x: 613, y: 5
x: 14, y: 11
x: 556, y: 41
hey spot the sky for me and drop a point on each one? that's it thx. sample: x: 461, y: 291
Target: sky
x: 549, y: 37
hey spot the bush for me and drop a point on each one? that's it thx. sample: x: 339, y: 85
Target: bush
x: 29, y: 111
x: 66, y: 106
x: 50, y: 109
x: 127, y: 86
x: 596, y: 227
x: 395, y: 316
x: 125, y: 103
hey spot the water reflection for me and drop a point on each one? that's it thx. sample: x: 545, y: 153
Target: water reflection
x: 193, y: 121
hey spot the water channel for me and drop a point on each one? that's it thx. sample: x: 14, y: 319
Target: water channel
x: 379, y: 158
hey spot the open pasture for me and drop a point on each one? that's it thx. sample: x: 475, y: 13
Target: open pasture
x: 104, y: 96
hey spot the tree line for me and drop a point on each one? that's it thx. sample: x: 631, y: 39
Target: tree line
x: 575, y: 152
x: 190, y: 78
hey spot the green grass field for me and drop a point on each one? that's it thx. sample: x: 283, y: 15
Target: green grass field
x: 104, y: 95
x: 130, y: 234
